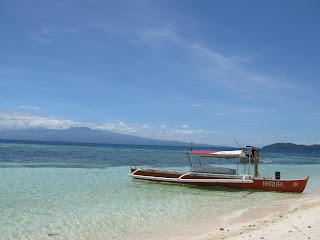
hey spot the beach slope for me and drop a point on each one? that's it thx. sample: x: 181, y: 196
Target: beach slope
x: 299, y: 221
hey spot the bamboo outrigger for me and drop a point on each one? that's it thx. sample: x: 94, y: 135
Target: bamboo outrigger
x: 217, y: 176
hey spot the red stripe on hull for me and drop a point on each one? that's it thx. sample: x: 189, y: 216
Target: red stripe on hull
x: 258, y: 184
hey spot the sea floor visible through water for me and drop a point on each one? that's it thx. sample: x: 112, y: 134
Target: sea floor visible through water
x: 84, y: 192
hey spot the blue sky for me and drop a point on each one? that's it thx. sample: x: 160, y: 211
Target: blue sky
x: 201, y: 71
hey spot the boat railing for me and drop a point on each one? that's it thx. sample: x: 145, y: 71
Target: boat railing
x: 154, y: 168
x: 215, y: 170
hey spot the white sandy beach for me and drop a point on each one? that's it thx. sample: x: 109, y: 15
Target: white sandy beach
x: 291, y: 219
x: 300, y: 221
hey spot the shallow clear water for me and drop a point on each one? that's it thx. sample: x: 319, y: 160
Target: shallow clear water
x: 84, y: 192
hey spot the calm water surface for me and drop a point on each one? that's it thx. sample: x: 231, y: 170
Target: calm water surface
x: 74, y: 191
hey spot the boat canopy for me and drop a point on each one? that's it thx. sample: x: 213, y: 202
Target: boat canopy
x: 220, y: 154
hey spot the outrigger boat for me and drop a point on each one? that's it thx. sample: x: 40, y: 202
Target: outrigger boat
x: 216, y: 176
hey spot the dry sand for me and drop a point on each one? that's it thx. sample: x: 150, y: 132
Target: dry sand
x: 291, y: 219
x: 285, y: 221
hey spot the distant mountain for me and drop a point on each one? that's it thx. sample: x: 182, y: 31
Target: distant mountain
x: 85, y: 135
x: 292, y: 146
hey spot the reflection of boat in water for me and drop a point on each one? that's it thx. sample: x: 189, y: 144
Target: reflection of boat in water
x: 217, y: 176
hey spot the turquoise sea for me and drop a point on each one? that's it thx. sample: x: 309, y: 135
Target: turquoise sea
x: 82, y: 191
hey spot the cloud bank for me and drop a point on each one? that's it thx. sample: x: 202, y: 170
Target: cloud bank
x: 18, y: 119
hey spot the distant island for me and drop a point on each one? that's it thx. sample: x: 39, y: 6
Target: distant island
x: 292, y: 146
x: 86, y: 135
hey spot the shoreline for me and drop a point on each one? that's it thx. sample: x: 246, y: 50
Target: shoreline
x: 287, y: 219
x: 299, y: 221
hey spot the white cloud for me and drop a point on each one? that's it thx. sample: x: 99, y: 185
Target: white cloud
x: 191, y: 131
x: 228, y: 71
x: 146, y: 126
x: 29, y: 107
x: 227, y: 63
x: 17, y: 119
x: 119, y: 127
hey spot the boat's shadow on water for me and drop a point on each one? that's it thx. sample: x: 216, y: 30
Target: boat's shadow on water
x: 189, y: 189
